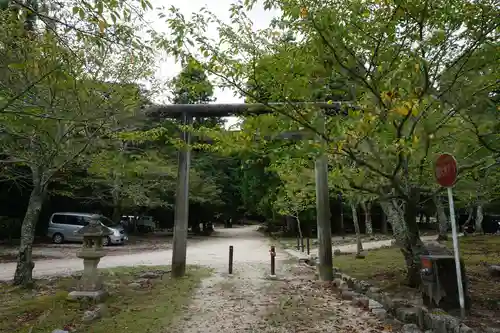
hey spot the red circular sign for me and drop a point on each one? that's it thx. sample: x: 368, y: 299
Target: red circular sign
x: 446, y: 170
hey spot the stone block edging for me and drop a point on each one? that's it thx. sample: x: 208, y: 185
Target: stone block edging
x: 416, y: 318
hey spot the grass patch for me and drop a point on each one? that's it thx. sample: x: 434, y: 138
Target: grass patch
x: 385, y: 268
x: 150, y: 308
x: 291, y: 242
x: 288, y: 242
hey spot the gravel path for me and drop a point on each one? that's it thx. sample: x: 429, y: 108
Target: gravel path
x: 248, y: 301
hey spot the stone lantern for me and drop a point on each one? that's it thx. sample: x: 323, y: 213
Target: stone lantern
x: 90, y: 284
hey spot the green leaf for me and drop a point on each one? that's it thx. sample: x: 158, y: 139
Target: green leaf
x: 16, y: 66
x: 100, y: 7
x: 81, y: 13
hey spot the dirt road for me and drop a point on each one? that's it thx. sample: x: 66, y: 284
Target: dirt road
x: 210, y: 252
x: 136, y: 244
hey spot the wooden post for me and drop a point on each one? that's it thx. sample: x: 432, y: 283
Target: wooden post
x: 323, y: 209
x: 273, y: 262
x: 182, y: 204
x: 231, y: 250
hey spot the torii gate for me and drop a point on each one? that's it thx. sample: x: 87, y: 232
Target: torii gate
x: 187, y: 112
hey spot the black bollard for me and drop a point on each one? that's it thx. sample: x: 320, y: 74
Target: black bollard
x: 273, y: 263
x: 230, y: 259
x: 308, y: 246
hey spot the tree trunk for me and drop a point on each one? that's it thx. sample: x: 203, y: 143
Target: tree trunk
x: 299, y: 228
x: 384, y: 223
x: 470, y: 211
x: 359, y: 244
x: 290, y: 225
x: 405, y: 231
x: 24, y: 269
x: 367, y: 207
x: 115, y: 195
x: 117, y: 214
x: 269, y: 223
x: 479, y: 219
x: 342, y: 227
x: 196, y: 228
x: 442, y: 219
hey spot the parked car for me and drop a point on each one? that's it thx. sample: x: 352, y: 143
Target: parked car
x: 138, y: 223
x: 63, y: 227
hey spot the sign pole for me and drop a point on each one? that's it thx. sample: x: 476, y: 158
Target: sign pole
x: 457, y: 254
x: 446, y: 175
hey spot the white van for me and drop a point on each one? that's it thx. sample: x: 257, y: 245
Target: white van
x: 63, y: 227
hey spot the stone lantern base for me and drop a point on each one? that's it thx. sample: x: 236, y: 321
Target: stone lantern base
x: 95, y: 296
x: 90, y: 285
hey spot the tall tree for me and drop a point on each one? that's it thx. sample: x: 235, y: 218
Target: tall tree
x: 441, y: 218
x: 355, y: 221
x: 367, y: 207
x: 192, y: 86
x: 55, y: 104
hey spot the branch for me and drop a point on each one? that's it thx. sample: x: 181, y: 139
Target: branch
x: 345, y: 67
x: 13, y: 161
x: 474, y: 165
x: 393, y: 180
x: 480, y: 137
x: 370, y: 167
x: 399, y: 134
x: 25, y: 90
x: 269, y: 105
x: 68, y: 160
x: 44, y: 17
x: 379, y: 40
x: 459, y: 177
x: 466, y: 54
